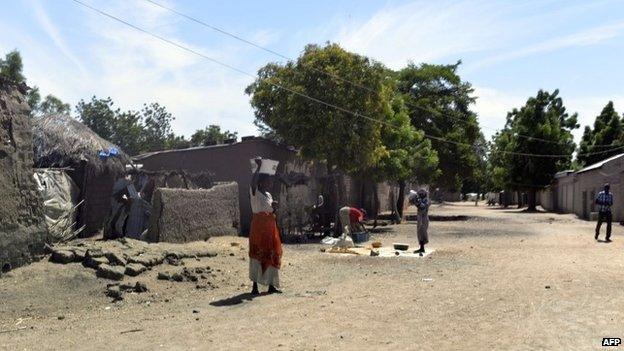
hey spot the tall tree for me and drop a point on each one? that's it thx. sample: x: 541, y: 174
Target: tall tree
x: 128, y: 132
x: 211, y: 135
x: 605, y: 140
x: 499, y: 176
x: 439, y: 104
x: 51, y: 105
x: 99, y: 115
x: 407, y: 155
x: 541, y: 127
x: 11, y: 68
x: 157, y: 121
x: 323, y: 132
x: 33, y: 97
x: 175, y: 142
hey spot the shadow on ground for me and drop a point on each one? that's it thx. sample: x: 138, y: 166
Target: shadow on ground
x: 235, y: 300
x: 381, y: 230
x: 516, y: 210
x: 414, y: 218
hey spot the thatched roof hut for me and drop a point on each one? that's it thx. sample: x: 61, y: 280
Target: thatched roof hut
x: 61, y: 141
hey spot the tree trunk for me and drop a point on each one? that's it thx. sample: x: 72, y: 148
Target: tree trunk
x: 519, y: 194
x: 400, y: 201
x: 375, y: 203
x: 336, y: 188
x: 532, y: 200
x: 362, y: 203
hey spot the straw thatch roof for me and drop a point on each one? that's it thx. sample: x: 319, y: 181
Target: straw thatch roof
x: 62, y: 141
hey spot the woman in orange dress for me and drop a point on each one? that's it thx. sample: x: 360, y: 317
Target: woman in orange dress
x: 265, y: 246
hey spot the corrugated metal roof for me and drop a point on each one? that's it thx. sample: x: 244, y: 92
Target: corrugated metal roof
x: 599, y: 164
x: 563, y: 173
x: 196, y: 148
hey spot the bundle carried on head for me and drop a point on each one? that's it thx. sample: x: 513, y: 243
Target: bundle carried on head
x: 267, y: 166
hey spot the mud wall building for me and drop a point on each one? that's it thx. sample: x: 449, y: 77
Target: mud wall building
x: 589, y: 181
x: 575, y: 192
x: 184, y: 215
x: 300, y: 182
x: 22, y: 228
x: 63, y: 142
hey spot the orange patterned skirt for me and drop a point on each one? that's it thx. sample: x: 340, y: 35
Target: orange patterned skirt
x: 265, y: 244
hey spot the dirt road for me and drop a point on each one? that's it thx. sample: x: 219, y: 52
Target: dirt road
x: 500, y: 280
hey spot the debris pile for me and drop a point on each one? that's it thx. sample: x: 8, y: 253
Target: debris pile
x: 199, y: 275
x: 127, y: 257
x: 117, y: 290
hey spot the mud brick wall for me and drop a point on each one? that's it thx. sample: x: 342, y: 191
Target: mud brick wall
x: 295, y: 199
x: 22, y: 227
x: 98, y: 188
x: 183, y: 215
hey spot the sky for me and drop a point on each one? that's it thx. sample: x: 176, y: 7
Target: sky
x: 509, y: 50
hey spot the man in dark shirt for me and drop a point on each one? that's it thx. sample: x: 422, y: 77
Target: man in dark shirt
x: 604, y: 200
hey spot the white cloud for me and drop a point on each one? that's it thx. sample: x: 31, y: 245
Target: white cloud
x: 137, y: 69
x: 424, y: 31
x: 134, y: 68
x: 588, y: 107
x: 52, y: 31
x: 492, y: 106
x: 591, y: 36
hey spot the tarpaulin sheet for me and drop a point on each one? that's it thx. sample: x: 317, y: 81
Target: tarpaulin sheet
x: 60, y: 196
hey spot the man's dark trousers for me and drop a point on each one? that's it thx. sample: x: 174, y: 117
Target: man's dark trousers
x: 604, y: 216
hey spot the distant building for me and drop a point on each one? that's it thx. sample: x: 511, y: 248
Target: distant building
x: 575, y: 192
x: 300, y: 182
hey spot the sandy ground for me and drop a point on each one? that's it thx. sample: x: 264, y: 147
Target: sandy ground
x: 500, y: 280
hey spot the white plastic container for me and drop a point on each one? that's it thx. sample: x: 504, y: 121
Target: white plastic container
x: 268, y: 166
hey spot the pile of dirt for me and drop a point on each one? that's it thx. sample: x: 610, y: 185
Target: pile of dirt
x: 117, y: 259
x: 200, y: 275
x: 116, y: 290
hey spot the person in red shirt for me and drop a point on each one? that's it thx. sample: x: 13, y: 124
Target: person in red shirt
x: 352, y: 219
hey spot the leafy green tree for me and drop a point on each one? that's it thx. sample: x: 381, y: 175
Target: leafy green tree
x: 323, y: 132
x: 33, y: 97
x: 128, y: 132
x: 606, y: 138
x: 157, y: 123
x: 99, y: 115
x: 211, y: 135
x: 407, y: 155
x: 498, y: 161
x: 175, y: 142
x: 52, y: 105
x: 11, y: 68
x: 543, y: 127
x: 585, y: 146
x: 439, y: 104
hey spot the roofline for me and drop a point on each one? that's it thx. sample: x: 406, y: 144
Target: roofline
x: 198, y: 148
x: 599, y: 165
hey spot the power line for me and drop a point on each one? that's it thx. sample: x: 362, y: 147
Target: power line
x: 279, y: 86
x: 335, y: 76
